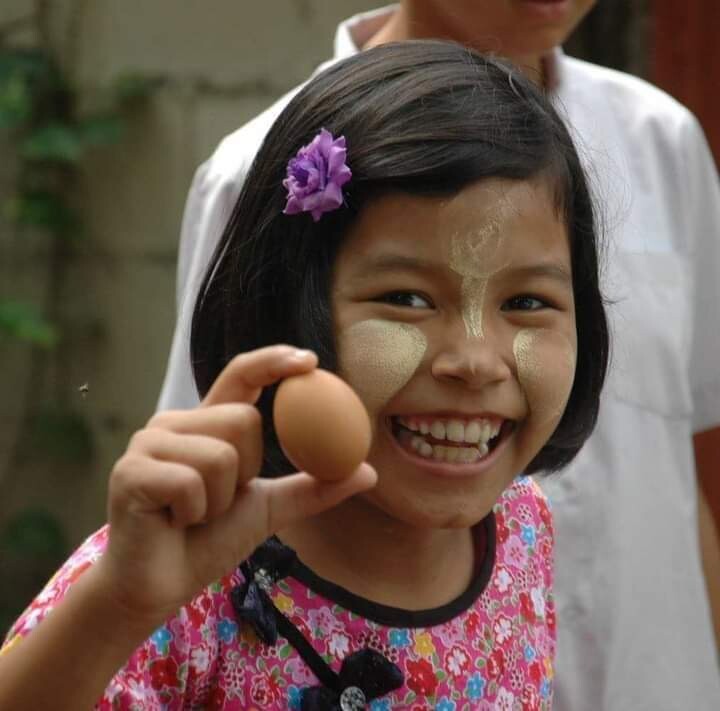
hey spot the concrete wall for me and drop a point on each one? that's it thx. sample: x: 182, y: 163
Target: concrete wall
x: 224, y: 61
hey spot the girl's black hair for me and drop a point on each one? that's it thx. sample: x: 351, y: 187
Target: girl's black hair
x: 424, y: 118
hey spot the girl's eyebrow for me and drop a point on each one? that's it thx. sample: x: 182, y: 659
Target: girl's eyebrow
x: 550, y: 270
x: 394, y: 263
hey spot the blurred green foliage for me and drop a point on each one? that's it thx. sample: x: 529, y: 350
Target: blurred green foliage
x: 48, y: 125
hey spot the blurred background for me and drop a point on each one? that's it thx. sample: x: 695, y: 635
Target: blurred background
x: 106, y: 109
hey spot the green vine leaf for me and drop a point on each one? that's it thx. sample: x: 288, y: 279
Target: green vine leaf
x: 132, y: 88
x: 30, y: 83
x: 33, y: 533
x: 55, y: 142
x: 15, y: 102
x: 21, y: 321
x: 60, y: 434
x: 101, y: 130
x: 45, y: 210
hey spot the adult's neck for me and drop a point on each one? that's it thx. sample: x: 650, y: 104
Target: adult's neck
x: 420, y: 20
x: 358, y: 547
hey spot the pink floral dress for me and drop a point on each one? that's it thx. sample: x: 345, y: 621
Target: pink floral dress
x: 325, y: 648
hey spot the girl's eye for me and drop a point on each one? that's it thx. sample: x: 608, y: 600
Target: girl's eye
x: 524, y: 303
x: 408, y: 299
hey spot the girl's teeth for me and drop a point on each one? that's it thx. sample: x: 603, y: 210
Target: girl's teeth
x: 455, y: 431
x: 473, y: 432
x: 460, y: 455
x: 437, y: 429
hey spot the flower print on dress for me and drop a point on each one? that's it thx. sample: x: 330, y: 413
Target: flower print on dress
x: 502, y: 629
x: 496, y: 663
x: 527, y: 533
x: 503, y: 579
x: 213, y: 674
x: 339, y: 645
x: 517, y: 554
x: 424, y: 645
x: 284, y: 603
x: 421, y: 677
x: 227, y: 630
x: 472, y: 624
x: 502, y: 532
x: 530, y: 698
x: 527, y: 609
x: 535, y: 672
x: 399, y: 638
x: 457, y: 662
x: 475, y: 687
x: 264, y: 689
x: 445, y: 704
x: 164, y: 673
x: 538, y: 600
x: 161, y: 638
x: 322, y: 622
x: 451, y: 632
x: 300, y: 672
x: 200, y: 658
x: 505, y: 700
x: 315, y: 176
x: 294, y: 698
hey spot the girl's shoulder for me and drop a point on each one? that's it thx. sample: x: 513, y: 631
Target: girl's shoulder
x: 175, y: 666
x: 56, y: 588
x: 523, y: 505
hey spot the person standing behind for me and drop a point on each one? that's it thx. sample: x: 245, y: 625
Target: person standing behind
x: 632, y: 605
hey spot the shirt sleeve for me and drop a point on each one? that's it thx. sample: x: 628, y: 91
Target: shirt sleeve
x: 210, y: 201
x: 703, y: 224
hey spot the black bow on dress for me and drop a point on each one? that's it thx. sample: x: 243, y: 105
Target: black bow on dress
x: 364, y: 676
x: 251, y: 600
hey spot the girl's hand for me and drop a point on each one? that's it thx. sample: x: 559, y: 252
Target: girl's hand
x: 185, y: 506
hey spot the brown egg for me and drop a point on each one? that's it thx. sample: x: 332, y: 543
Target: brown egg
x: 322, y: 425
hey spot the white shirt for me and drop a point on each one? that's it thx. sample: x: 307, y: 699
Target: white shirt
x: 633, y: 619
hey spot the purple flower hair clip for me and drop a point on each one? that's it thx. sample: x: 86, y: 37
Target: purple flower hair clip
x: 315, y: 176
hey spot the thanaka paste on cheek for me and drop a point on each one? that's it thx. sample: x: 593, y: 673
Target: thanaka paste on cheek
x: 546, y: 370
x: 378, y: 358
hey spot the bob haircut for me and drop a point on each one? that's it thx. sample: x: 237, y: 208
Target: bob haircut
x: 424, y: 118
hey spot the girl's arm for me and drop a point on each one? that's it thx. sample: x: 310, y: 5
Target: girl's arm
x: 185, y: 507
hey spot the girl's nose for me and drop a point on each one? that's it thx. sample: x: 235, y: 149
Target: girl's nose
x: 475, y: 362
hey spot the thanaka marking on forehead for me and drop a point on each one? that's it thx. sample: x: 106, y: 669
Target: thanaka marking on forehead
x: 473, y: 257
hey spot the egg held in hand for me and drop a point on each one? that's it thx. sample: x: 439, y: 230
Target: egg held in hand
x: 321, y: 424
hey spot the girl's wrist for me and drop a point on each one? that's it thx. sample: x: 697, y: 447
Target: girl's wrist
x: 111, y: 603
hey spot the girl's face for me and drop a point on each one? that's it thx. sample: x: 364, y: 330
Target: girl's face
x: 455, y: 322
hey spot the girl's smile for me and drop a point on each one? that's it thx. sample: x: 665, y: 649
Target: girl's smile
x: 456, y: 326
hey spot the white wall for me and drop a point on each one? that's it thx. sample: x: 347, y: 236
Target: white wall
x: 224, y: 61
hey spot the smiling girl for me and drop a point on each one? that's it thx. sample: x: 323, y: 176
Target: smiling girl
x: 416, y: 220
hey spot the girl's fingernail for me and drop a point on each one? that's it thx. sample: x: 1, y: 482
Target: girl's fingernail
x: 300, y: 354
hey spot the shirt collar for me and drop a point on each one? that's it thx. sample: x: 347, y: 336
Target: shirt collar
x: 353, y: 33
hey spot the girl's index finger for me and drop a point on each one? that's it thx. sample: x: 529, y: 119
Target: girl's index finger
x: 244, y: 377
